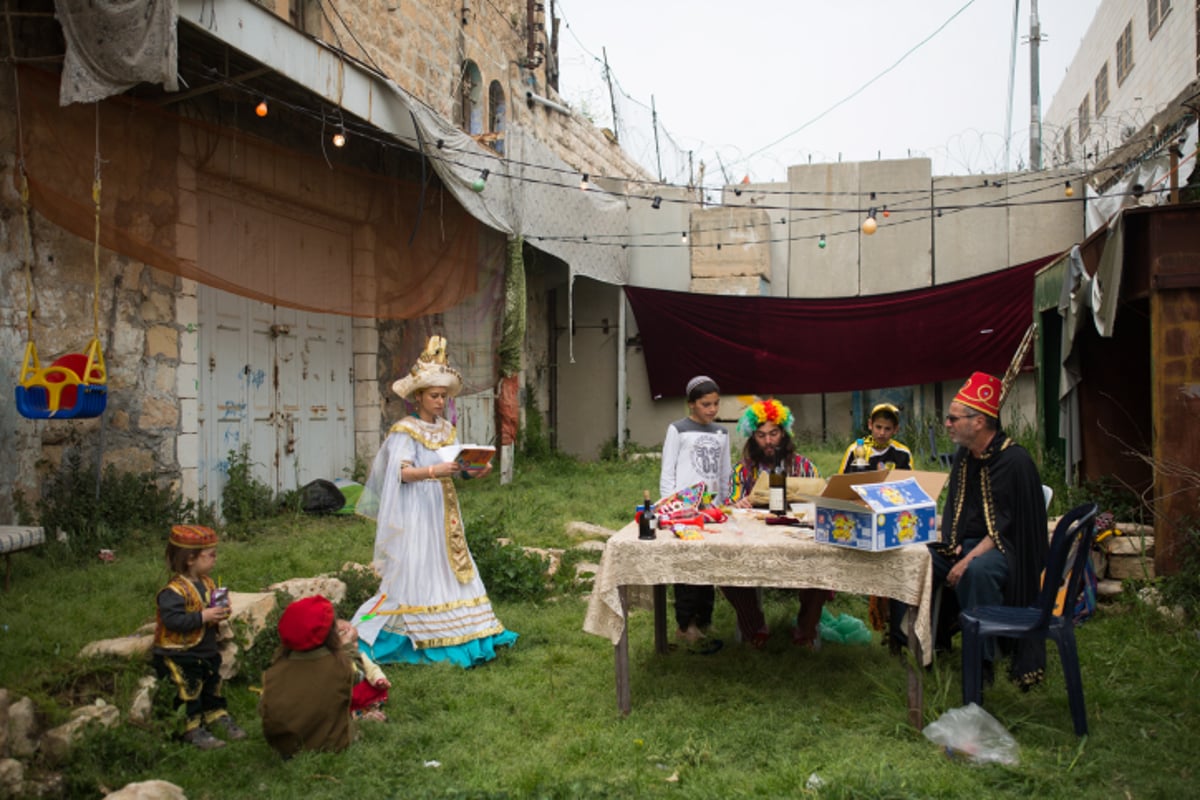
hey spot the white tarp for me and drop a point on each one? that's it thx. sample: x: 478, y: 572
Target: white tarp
x: 115, y: 45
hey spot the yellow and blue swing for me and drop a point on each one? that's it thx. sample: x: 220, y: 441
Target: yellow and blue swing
x: 74, y: 385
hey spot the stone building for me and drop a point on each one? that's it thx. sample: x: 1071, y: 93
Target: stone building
x: 289, y: 201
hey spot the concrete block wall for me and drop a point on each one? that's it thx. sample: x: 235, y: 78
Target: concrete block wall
x: 730, y: 250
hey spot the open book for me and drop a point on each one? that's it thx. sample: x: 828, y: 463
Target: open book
x: 474, y: 457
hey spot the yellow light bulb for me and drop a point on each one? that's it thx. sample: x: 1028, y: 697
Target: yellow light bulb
x: 869, y: 226
x: 261, y: 108
x: 339, y: 139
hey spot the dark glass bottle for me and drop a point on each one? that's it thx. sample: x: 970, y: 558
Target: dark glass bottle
x: 647, y: 522
x: 777, y: 499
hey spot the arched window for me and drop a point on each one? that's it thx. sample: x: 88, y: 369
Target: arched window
x: 497, y: 116
x: 471, y: 99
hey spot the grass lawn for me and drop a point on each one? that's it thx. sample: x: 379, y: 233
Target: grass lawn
x: 541, y: 720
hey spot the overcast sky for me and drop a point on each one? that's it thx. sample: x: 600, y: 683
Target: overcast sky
x: 768, y: 84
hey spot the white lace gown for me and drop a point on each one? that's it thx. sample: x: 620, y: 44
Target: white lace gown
x: 432, y: 605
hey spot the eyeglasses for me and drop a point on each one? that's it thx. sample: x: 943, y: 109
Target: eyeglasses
x: 953, y: 418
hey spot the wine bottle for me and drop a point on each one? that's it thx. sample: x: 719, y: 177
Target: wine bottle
x: 647, y: 522
x: 777, y: 500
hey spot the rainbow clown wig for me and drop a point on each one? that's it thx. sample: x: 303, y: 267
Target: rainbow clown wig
x: 760, y: 411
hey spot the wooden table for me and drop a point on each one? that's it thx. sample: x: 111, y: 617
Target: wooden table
x: 745, y: 551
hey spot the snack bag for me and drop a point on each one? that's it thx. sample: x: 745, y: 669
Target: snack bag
x: 688, y: 498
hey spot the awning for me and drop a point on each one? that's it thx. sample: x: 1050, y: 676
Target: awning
x: 769, y: 345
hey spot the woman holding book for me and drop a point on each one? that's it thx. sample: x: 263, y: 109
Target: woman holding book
x: 432, y: 605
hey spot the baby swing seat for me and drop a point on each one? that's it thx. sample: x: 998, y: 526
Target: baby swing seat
x: 73, y: 387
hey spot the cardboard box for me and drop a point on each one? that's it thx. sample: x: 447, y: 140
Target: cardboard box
x: 879, y: 510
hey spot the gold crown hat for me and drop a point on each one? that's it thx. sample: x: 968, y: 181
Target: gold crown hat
x: 429, y: 371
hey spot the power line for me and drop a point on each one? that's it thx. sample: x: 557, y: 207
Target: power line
x: 862, y: 88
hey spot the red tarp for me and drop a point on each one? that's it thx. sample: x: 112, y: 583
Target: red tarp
x: 772, y: 345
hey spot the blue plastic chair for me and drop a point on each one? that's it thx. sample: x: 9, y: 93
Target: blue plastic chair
x: 1069, y: 549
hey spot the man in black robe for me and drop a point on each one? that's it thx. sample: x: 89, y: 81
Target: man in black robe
x: 994, y: 538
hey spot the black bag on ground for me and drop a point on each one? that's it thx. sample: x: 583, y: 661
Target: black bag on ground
x: 321, y: 497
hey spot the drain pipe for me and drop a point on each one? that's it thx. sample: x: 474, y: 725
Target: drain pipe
x: 622, y: 420
x: 531, y: 98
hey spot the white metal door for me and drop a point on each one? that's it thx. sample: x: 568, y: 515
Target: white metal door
x: 279, y: 380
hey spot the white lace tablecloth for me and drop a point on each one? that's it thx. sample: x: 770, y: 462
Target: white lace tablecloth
x: 745, y: 551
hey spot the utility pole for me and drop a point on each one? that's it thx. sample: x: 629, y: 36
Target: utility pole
x: 612, y: 100
x: 657, y: 153
x: 1035, y: 94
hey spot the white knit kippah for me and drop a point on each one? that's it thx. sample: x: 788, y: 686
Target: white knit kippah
x: 696, y: 381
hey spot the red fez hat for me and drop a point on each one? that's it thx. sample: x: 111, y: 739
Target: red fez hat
x: 982, y: 393
x: 193, y: 537
x: 305, y: 623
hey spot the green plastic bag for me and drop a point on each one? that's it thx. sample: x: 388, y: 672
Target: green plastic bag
x: 843, y: 629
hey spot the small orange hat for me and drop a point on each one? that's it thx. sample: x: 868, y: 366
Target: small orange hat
x: 982, y: 393
x: 193, y: 537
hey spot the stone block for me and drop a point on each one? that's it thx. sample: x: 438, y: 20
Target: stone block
x: 141, y: 709
x: 148, y: 790
x: 12, y: 778
x: 1107, y: 588
x: 332, y: 588
x: 22, y: 728
x: 162, y: 340
x: 748, y: 286
x: 1122, y: 567
x: 579, y: 529
x: 4, y: 701
x: 252, y: 609
x: 1128, y: 545
x: 57, y: 743
x: 158, y: 412
x: 123, y: 647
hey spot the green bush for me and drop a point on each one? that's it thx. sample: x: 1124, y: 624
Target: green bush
x: 508, y: 572
x: 534, y: 438
x: 1183, y: 588
x: 245, y: 497
x: 92, y: 515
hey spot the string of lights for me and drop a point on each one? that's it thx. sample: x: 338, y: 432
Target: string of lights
x: 909, y: 201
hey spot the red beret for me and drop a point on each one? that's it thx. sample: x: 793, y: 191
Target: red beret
x: 982, y: 393
x: 193, y: 537
x: 305, y: 623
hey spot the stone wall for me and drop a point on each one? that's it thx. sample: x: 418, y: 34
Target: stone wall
x: 423, y: 47
x: 139, y: 333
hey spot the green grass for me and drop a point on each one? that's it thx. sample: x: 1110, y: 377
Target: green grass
x: 541, y: 721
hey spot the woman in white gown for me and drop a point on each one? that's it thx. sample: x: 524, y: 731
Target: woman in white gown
x: 432, y: 605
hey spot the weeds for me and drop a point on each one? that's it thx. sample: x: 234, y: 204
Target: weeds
x: 245, y: 497
x: 534, y: 439
x: 84, y: 515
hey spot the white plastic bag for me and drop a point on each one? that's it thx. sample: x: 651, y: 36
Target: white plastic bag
x: 974, y: 733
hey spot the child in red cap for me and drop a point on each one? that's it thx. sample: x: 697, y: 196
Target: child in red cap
x: 306, y: 692
x: 185, y: 635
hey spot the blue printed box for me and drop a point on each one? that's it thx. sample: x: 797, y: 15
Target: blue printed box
x: 870, y: 511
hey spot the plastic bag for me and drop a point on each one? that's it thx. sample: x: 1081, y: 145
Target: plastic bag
x: 842, y: 629
x: 975, y: 733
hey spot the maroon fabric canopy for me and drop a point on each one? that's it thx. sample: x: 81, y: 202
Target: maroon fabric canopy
x: 772, y: 345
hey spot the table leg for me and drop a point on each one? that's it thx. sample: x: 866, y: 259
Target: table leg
x: 916, y: 686
x: 621, y: 656
x: 661, y: 645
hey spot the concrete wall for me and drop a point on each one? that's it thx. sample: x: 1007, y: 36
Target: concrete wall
x: 586, y: 366
x: 1162, y: 67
